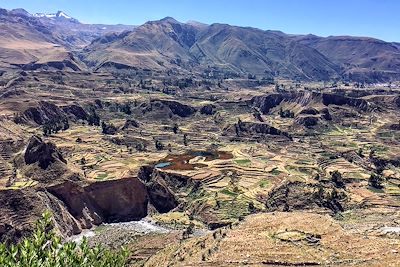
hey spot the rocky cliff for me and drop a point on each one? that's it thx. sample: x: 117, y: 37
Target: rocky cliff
x: 75, y: 206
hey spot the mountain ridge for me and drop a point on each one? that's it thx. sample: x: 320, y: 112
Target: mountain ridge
x: 168, y: 44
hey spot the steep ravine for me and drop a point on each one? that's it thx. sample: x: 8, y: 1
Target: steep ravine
x: 108, y: 201
x: 75, y: 206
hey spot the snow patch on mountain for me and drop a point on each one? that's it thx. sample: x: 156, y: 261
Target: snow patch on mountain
x: 59, y: 14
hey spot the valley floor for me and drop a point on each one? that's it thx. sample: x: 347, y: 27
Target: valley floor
x: 224, y: 177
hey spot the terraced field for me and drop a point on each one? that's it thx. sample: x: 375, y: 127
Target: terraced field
x: 206, y: 159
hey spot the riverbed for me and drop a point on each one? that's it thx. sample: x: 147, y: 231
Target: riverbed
x: 142, y: 227
x: 118, y: 234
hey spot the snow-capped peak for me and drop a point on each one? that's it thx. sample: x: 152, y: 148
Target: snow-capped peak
x: 62, y: 14
x: 59, y: 14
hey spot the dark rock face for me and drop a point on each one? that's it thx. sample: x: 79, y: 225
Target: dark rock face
x: 163, y: 187
x: 177, y: 108
x: 67, y: 64
x: 395, y: 127
x: 98, y: 103
x: 309, y: 111
x: 266, y: 103
x: 108, y: 128
x: 130, y: 123
x: 215, y: 225
x: 381, y: 163
x: 75, y: 206
x: 329, y: 99
x: 302, y: 196
x: 208, y: 109
x: 158, y: 109
x: 76, y: 112
x: 77, y: 202
x: 308, y: 121
x: 130, y: 203
x: 325, y: 114
x: 43, y: 153
x: 260, y: 128
x: 397, y: 101
x: 160, y: 195
x: 252, y: 129
x: 44, y: 113
x: 98, y: 202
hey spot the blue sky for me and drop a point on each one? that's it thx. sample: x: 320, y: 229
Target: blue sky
x: 375, y: 18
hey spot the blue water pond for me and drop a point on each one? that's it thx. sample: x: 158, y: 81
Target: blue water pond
x: 163, y: 165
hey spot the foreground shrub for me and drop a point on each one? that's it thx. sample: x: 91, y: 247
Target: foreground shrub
x: 45, y: 249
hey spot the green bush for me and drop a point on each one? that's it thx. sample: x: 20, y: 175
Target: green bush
x: 376, y: 181
x: 46, y: 249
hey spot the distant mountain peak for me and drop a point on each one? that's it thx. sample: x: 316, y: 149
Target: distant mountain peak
x: 63, y: 14
x: 58, y: 15
x: 169, y: 19
x: 20, y: 11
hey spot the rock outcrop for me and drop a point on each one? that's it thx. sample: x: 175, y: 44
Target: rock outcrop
x: 309, y: 111
x: 108, y: 128
x: 164, y: 188
x: 208, y: 109
x: 44, y: 112
x: 38, y: 151
x: 332, y: 99
x: 268, y: 102
x: 325, y: 114
x: 302, y: 196
x: 395, y: 127
x: 48, y: 113
x: 75, y: 112
x: 130, y: 123
x: 253, y: 130
x: 177, y: 108
x: 397, y: 102
x: 308, y: 121
x: 160, y: 109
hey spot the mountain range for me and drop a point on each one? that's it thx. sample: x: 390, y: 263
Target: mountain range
x: 59, y: 41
